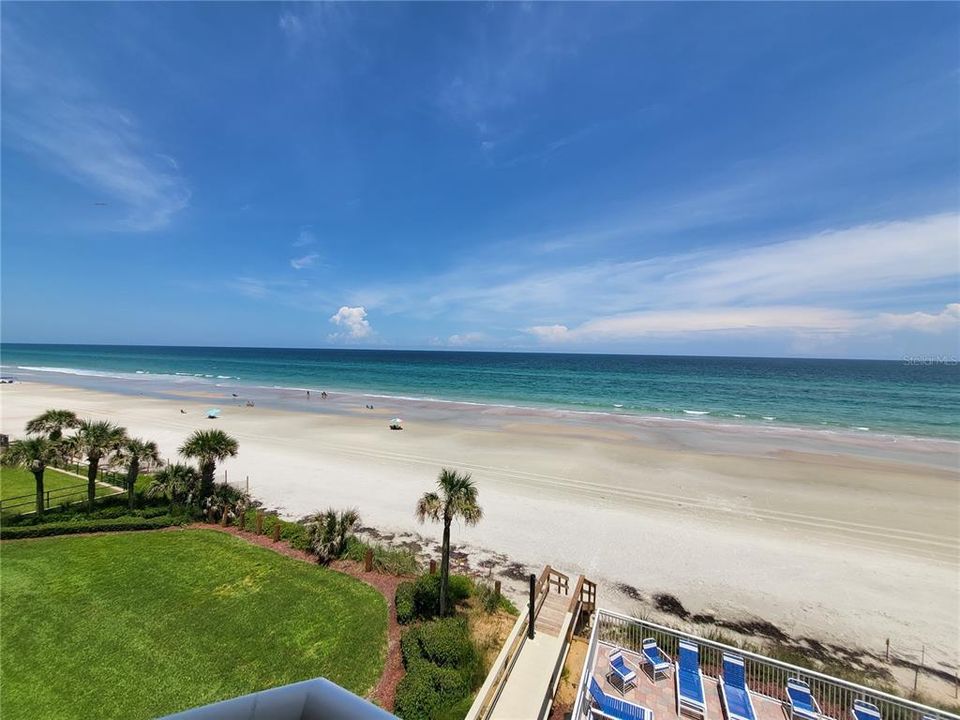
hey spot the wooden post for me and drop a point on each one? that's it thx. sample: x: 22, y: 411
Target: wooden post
x: 496, y: 589
x: 533, y: 605
x: 223, y: 517
x: 368, y: 560
x: 276, y: 531
x: 259, y: 522
x: 888, y: 649
x: 433, y: 566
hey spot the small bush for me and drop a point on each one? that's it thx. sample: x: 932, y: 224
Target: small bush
x: 426, y: 689
x: 88, y: 526
x: 403, y: 601
x: 445, y: 643
x: 490, y: 601
x: 426, y: 596
x: 460, y: 588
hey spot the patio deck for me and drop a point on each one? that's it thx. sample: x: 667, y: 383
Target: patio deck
x: 661, y: 696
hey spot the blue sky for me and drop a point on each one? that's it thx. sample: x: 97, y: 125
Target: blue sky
x: 745, y: 179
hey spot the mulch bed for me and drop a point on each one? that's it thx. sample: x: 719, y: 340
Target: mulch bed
x: 386, y: 687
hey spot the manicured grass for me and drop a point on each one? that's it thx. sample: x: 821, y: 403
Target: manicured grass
x: 138, y: 625
x: 15, y: 482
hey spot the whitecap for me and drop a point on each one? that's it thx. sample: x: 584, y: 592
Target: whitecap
x: 696, y: 412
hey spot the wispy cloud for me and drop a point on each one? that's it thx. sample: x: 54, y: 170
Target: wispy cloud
x: 304, y: 262
x: 816, y: 283
x: 354, y: 322
x: 72, y: 127
x: 306, y: 237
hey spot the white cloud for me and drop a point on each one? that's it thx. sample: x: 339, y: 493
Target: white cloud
x: 856, y: 266
x: 304, y: 262
x: 353, y: 320
x: 290, y: 24
x: 946, y: 320
x: 684, y: 322
x: 468, y: 338
x: 306, y: 237
x: 69, y: 125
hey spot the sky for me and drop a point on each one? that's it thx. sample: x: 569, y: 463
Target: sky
x: 716, y: 179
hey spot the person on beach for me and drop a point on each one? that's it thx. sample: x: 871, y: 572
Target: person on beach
x: 308, y: 394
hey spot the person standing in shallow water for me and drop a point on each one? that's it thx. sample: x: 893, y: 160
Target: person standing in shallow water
x: 308, y: 394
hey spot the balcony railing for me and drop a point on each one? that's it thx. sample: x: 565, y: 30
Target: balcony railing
x: 766, y: 677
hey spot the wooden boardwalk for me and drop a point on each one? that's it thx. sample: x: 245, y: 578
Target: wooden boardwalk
x: 523, y: 678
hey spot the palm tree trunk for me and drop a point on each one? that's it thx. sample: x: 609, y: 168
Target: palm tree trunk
x: 132, y: 480
x: 92, y: 465
x: 207, y: 473
x: 445, y: 566
x: 38, y: 475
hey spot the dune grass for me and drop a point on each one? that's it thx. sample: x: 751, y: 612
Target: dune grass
x: 138, y: 625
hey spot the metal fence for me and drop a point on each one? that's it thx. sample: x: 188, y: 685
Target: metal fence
x: 21, y: 504
x: 765, y: 676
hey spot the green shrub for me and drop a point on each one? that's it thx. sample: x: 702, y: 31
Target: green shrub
x: 426, y: 689
x: 426, y: 596
x: 403, y: 601
x: 410, y: 648
x: 86, y: 526
x: 460, y: 588
x: 446, y: 642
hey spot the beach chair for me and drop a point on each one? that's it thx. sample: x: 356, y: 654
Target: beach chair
x: 612, y: 708
x: 803, y: 706
x: 863, y: 710
x: 734, y: 693
x: 621, y: 671
x: 659, y: 661
x: 689, y: 680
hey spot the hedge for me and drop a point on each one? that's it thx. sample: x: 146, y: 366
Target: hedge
x: 403, y: 601
x: 426, y: 689
x: 88, y: 526
x: 293, y: 533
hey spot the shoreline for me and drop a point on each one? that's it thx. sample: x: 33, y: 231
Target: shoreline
x: 743, y: 527
x: 185, y: 386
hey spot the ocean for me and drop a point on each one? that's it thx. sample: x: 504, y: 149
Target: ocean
x: 918, y: 398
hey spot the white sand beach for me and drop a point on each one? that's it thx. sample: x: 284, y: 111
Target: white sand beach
x: 822, y: 537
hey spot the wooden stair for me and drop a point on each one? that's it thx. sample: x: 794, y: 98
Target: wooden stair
x: 552, y: 613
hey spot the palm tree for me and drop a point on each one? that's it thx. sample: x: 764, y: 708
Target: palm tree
x: 135, y: 451
x: 96, y: 439
x: 33, y: 454
x: 208, y: 447
x: 329, y: 532
x: 52, y: 423
x: 457, y: 499
x: 179, y: 483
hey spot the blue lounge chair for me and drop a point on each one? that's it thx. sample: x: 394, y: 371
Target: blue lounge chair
x: 611, y: 708
x: 734, y: 693
x: 803, y: 705
x: 689, y: 680
x: 620, y: 670
x: 659, y: 661
x: 863, y: 710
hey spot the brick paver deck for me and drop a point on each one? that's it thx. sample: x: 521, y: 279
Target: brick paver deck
x: 661, y: 696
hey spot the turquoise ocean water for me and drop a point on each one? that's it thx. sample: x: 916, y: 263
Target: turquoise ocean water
x: 920, y: 398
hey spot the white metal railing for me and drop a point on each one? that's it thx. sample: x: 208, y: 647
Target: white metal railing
x: 765, y: 676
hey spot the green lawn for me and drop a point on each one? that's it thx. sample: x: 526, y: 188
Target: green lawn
x: 137, y: 625
x: 15, y: 482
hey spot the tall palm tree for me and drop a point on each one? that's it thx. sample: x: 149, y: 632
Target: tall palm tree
x: 180, y: 483
x: 457, y: 499
x: 33, y: 454
x: 209, y: 447
x: 136, y: 451
x: 96, y: 439
x: 52, y: 423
